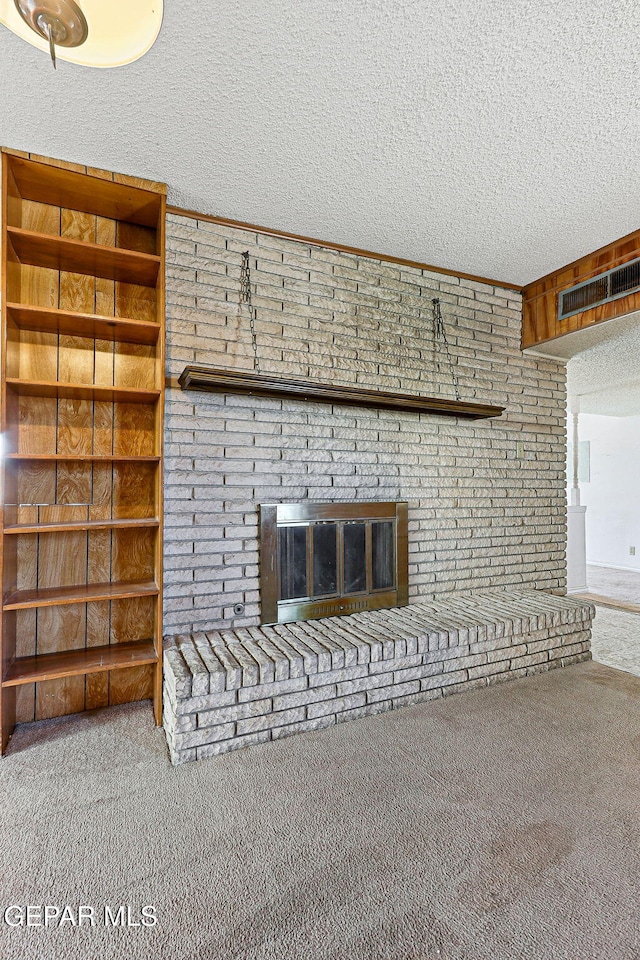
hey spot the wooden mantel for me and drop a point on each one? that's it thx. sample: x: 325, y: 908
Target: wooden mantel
x: 282, y: 388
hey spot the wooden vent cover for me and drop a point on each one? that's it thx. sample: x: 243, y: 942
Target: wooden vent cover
x: 598, y: 290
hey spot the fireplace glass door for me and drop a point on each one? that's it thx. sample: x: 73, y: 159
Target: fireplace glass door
x: 322, y: 559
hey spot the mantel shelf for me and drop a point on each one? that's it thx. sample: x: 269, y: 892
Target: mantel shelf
x: 263, y: 385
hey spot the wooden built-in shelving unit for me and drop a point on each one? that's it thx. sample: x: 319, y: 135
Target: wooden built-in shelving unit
x: 82, y: 293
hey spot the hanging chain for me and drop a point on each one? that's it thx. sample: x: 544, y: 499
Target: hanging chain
x: 439, y: 334
x: 245, y: 297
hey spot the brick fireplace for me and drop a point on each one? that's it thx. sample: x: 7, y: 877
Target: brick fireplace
x: 486, y: 497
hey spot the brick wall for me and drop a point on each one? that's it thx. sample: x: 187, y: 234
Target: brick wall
x: 486, y: 498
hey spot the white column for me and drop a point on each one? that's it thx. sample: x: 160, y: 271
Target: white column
x: 576, y: 525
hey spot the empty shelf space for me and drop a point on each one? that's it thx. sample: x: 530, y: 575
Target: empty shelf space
x: 70, y: 663
x: 81, y: 593
x: 94, y: 326
x: 73, y: 525
x: 78, y: 256
x: 81, y: 391
x: 49, y: 184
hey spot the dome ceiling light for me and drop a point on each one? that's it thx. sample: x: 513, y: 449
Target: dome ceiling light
x: 103, y: 33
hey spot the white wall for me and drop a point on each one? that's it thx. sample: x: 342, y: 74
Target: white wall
x: 612, y: 497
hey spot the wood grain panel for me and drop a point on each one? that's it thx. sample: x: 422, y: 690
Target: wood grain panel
x: 131, y: 685
x: 62, y: 560
x: 11, y: 199
x: 75, y: 427
x: 25, y: 564
x: 68, y: 663
x: 102, y: 430
x: 58, y: 698
x: 136, y: 302
x: 73, y: 487
x: 133, y: 236
x: 133, y: 490
x: 26, y: 626
x: 60, y: 628
x: 105, y: 305
x: 38, y: 356
x: 98, y: 615
x: 135, y: 366
x: 35, y: 481
x: 540, y: 298
x: 133, y: 430
x: 132, y: 620
x: 40, y: 217
x: 37, y: 425
x: 53, y: 320
x: 39, y: 285
x: 132, y: 554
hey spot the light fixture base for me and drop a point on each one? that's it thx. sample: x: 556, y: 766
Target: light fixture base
x: 59, y: 22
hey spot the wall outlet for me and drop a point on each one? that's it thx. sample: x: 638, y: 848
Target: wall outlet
x: 520, y: 450
x: 632, y: 551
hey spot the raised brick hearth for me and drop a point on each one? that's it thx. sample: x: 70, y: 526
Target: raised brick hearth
x: 229, y: 689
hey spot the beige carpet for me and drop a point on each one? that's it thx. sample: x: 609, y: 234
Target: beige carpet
x: 498, y: 824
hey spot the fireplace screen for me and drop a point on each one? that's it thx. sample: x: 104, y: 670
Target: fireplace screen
x: 323, y: 559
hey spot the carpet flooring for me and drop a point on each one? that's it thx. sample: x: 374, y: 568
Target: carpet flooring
x: 500, y: 824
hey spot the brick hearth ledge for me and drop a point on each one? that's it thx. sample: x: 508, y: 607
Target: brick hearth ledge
x: 235, y: 688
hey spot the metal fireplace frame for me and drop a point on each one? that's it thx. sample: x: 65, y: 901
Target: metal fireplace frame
x: 275, y: 515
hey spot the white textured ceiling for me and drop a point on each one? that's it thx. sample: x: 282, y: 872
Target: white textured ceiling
x: 496, y: 137
x: 603, y: 369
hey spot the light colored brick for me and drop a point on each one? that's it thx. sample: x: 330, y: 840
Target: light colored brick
x: 335, y: 705
x: 268, y: 721
x: 305, y: 726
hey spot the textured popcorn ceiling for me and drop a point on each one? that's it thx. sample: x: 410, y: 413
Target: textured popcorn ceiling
x: 603, y: 369
x: 498, y: 138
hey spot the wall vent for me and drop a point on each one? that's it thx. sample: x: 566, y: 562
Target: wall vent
x: 592, y: 293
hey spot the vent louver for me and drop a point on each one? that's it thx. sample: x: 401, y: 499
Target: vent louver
x: 608, y: 286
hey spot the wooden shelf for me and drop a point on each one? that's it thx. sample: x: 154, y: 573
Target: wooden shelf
x: 81, y: 391
x: 93, y: 326
x: 80, y: 458
x: 83, y: 593
x: 77, y: 256
x: 71, y: 663
x: 262, y: 385
x: 49, y: 184
x: 17, y: 529
x: 84, y: 306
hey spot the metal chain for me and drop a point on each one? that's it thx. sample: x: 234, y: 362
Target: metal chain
x: 439, y: 333
x: 245, y: 297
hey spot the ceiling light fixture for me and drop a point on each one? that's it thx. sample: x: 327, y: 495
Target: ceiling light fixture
x: 60, y: 22
x: 103, y: 33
